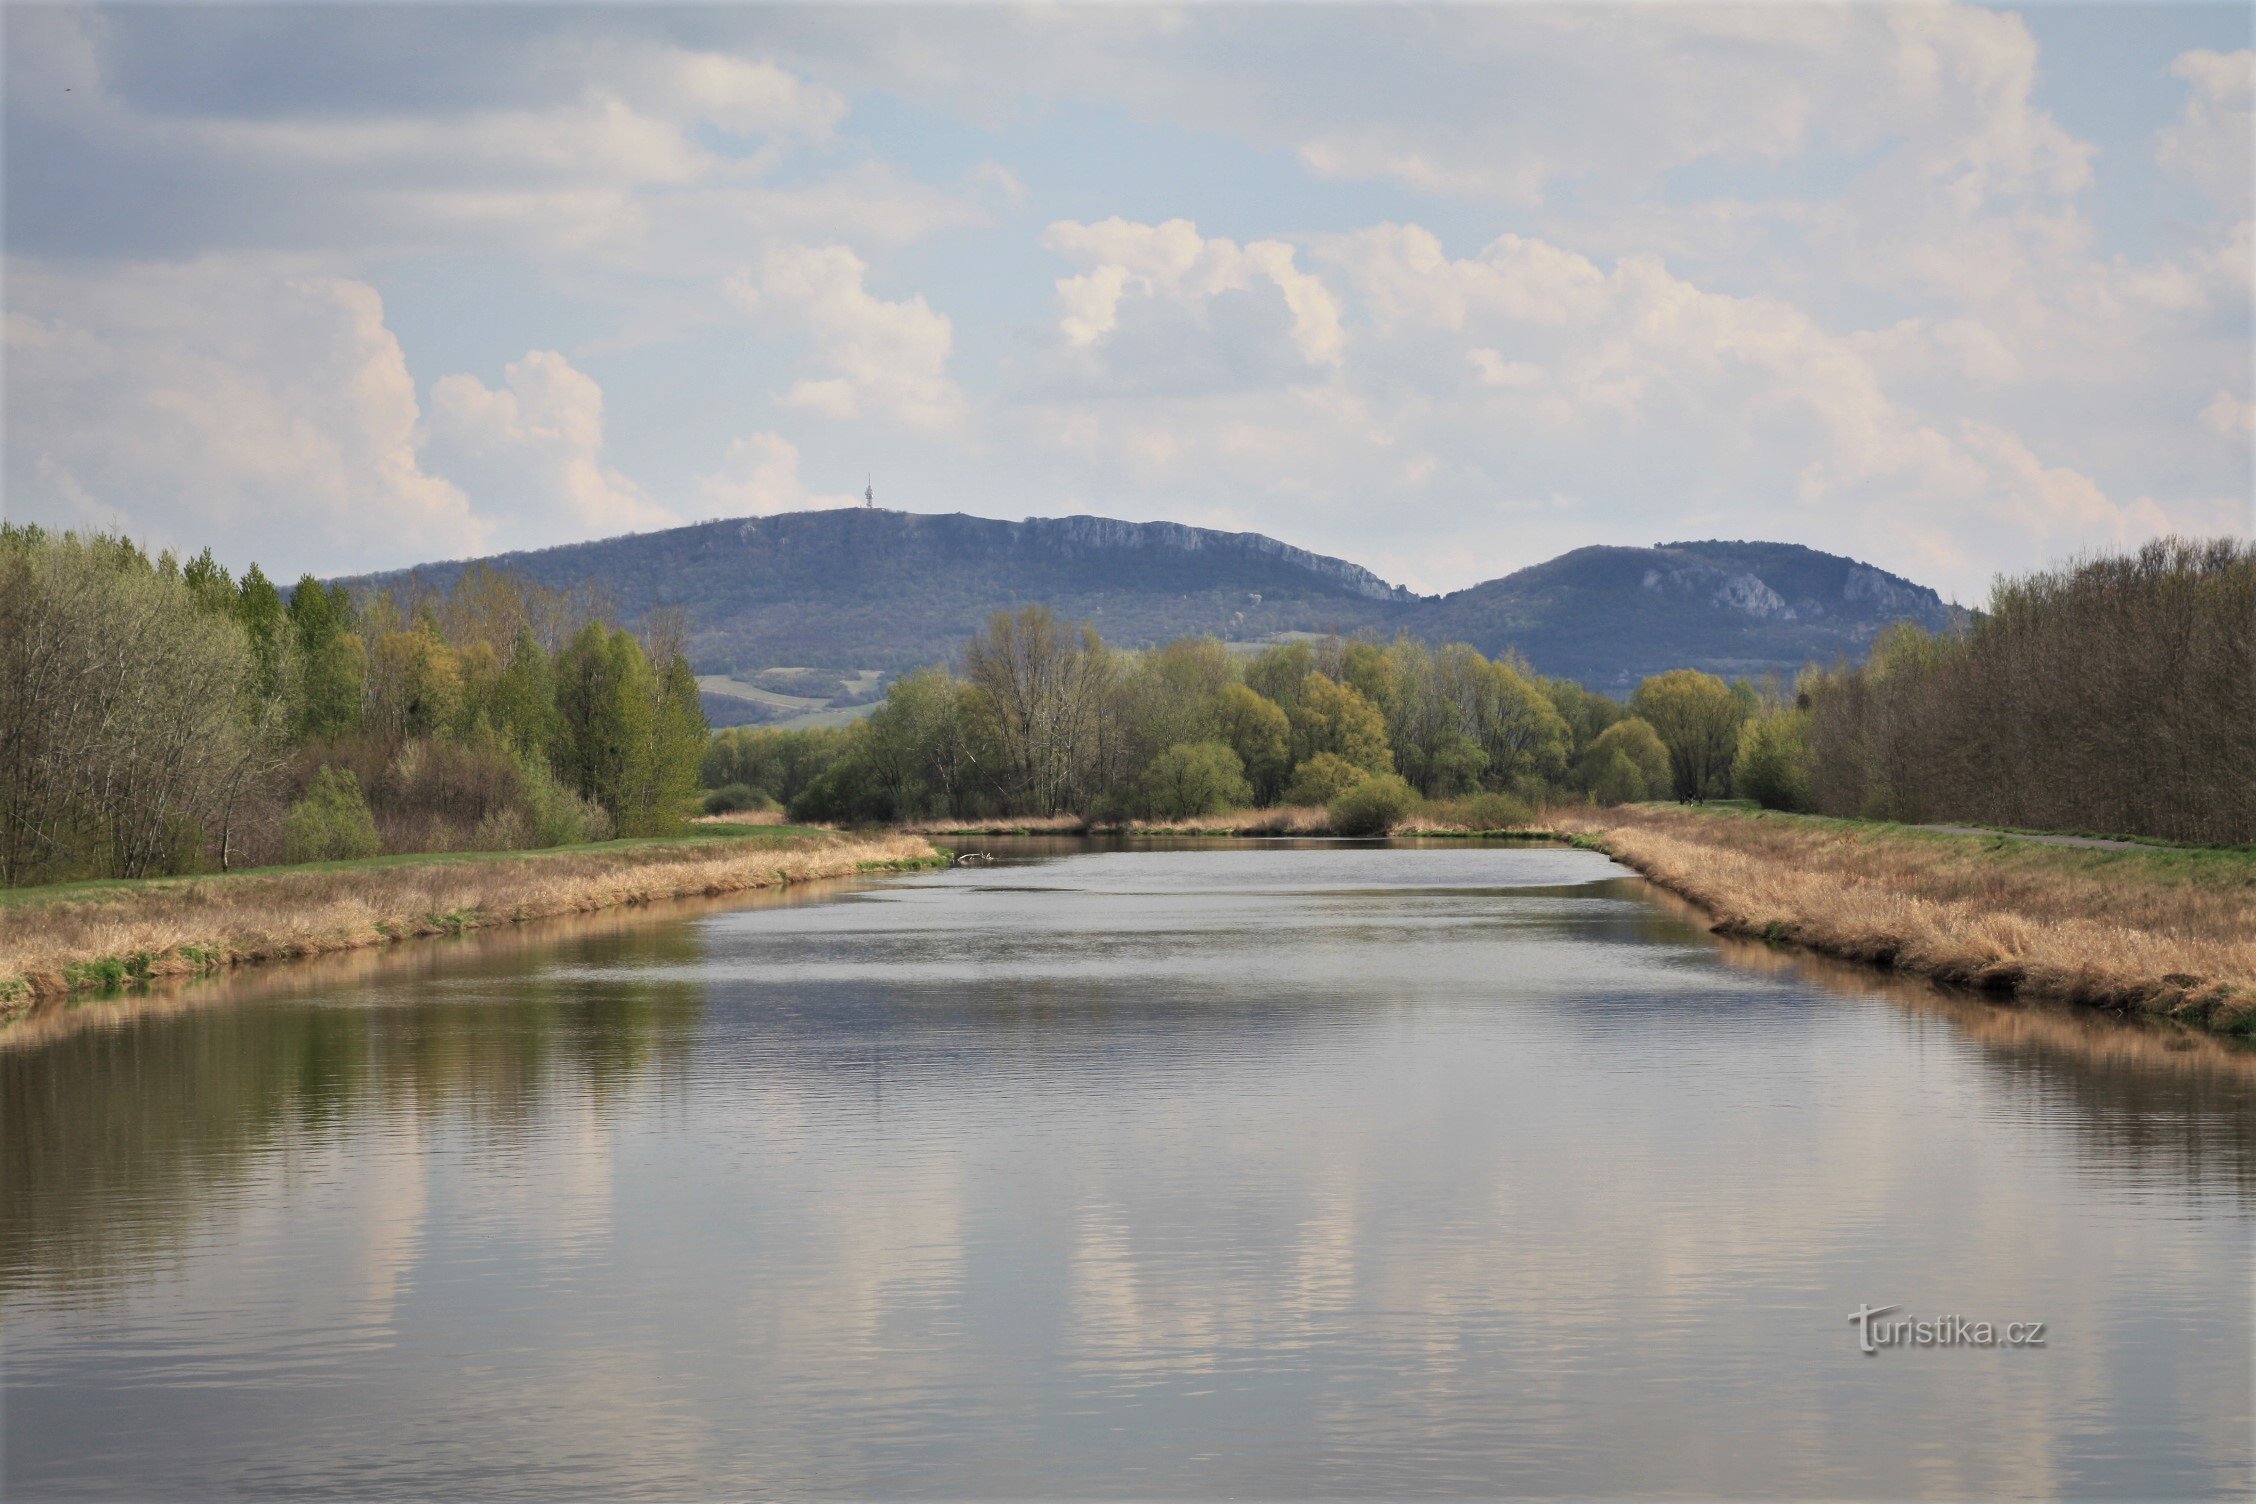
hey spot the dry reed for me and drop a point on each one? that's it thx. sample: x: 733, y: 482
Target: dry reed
x: 2154, y: 932
x: 64, y: 944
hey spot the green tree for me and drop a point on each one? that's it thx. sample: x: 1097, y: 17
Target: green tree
x: 333, y: 663
x: 1199, y: 778
x: 1323, y: 778
x: 678, y: 734
x: 1331, y: 717
x: 1616, y: 779
x: 522, y: 701
x: 258, y: 606
x: 209, y: 584
x: 1773, y: 766
x: 1260, y: 733
x: 1635, y: 739
x: 1277, y: 673
x: 331, y: 821
x: 414, y: 684
x: 1697, y: 717
x: 911, y: 747
x: 607, y: 701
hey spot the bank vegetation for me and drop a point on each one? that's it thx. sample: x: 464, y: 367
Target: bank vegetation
x: 159, y: 716
x: 97, y: 936
x: 2142, y: 929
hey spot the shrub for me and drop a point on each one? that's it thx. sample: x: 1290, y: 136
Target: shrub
x: 1491, y: 811
x: 331, y: 823
x: 1618, y: 781
x: 1195, y: 778
x: 1773, y: 767
x: 736, y: 798
x: 1373, y: 807
x: 554, y: 815
x: 503, y: 830
x: 1322, y: 779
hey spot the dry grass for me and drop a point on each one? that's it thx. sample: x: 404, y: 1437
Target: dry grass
x: 2164, y: 932
x: 129, y: 934
x: 744, y: 817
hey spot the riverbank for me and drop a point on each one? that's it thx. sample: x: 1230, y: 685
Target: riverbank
x: 2155, y: 930
x: 94, y: 936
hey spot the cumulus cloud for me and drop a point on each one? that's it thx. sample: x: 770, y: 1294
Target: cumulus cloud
x: 254, y: 405
x: 1553, y: 396
x: 884, y: 359
x: 1163, y: 308
x: 530, y: 453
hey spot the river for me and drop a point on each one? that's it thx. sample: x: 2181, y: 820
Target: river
x: 1181, y: 1171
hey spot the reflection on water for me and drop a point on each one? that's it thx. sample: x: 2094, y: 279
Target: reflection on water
x: 1251, y: 1170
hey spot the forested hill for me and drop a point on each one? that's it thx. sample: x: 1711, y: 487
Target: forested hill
x: 1610, y: 616
x: 871, y: 589
x: 840, y: 594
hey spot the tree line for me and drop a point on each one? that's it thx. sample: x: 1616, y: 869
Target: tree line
x: 2116, y: 694
x: 1045, y: 719
x: 161, y: 716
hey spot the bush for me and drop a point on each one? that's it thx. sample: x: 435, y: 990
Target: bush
x: 736, y: 798
x: 1322, y: 779
x: 1196, y: 778
x: 331, y: 823
x: 554, y: 815
x: 503, y: 830
x: 1373, y: 807
x: 1485, y: 811
x: 1773, y: 767
x: 1618, y: 781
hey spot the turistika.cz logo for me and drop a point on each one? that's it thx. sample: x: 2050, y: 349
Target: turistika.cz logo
x: 1873, y: 1333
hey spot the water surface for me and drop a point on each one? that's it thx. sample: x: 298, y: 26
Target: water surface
x: 1294, y: 1170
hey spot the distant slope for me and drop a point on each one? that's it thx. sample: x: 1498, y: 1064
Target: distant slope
x: 864, y: 588
x: 841, y: 593
x: 1610, y: 616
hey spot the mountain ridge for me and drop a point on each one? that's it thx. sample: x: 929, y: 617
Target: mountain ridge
x: 861, y: 593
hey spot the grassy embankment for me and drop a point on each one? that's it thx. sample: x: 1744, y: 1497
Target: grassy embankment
x: 2163, y: 930
x: 86, y: 936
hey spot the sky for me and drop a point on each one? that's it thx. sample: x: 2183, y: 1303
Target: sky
x: 1443, y: 290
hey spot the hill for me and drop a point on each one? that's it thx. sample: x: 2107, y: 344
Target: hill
x: 801, y: 617
x: 1610, y: 616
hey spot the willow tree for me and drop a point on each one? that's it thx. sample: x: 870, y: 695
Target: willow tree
x: 1697, y: 717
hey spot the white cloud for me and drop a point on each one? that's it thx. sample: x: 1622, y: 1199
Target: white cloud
x: 530, y: 453
x: 1662, y: 405
x: 759, y: 476
x: 885, y: 359
x: 2210, y: 144
x: 250, y: 404
x: 1405, y: 277
x: 1174, y: 264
